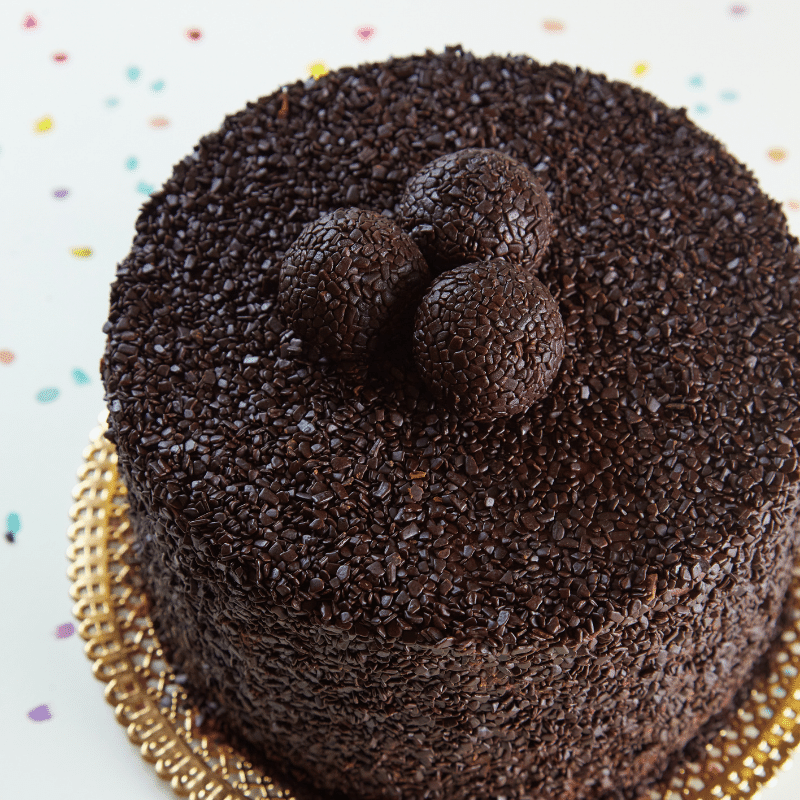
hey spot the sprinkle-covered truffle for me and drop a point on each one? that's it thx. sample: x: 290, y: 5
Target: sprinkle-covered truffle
x: 488, y: 339
x: 346, y: 279
x: 477, y: 204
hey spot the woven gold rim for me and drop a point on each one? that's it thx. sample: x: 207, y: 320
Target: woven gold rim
x: 150, y: 702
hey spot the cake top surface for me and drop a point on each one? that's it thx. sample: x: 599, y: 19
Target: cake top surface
x: 668, y: 439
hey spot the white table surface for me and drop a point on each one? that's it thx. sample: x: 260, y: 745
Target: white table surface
x: 97, y: 101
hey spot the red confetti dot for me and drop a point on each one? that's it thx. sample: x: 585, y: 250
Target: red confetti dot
x: 30, y: 22
x: 194, y: 34
x: 6, y: 356
x: 159, y: 122
x: 365, y: 33
x: 59, y: 58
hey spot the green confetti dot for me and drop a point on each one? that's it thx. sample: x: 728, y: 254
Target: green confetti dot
x: 112, y: 101
x: 12, y: 523
x: 133, y: 73
x: 47, y: 395
x: 80, y: 377
x: 145, y: 188
x: 132, y: 163
x: 158, y: 86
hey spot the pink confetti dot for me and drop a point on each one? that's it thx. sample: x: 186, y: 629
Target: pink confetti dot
x: 553, y: 25
x: 793, y: 205
x: 30, y: 22
x: 40, y: 714
x: 59, y: 58
x: 159, y: 122
x: 365, y: 33
x: 6, y: 357
x: 738, y: 10
x: 65, y: 630
x: 194, y: 34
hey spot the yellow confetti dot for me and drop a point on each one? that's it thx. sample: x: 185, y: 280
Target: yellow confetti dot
x: 794, y: 205
x: 640, y: 68
x: 317, y: 69
x: 81, y: 252
x: 776, y: 154
x: 43, y: 125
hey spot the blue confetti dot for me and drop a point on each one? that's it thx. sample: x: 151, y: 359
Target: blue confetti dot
x: 47, y: 395
x: 696, y: 81
x: 729, y: 94
x: 701, y: 108
x: 12, y: 523
x: 112, y: 102
x: 132, y: 163
x: 133, y: 73
x: 158, y: 86
x: 80, y: 377
x: 145, y: 188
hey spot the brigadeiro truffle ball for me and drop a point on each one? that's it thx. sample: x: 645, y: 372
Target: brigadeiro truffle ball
x: 346, y: 280
x: 477, y: 204
x: 488, y: 339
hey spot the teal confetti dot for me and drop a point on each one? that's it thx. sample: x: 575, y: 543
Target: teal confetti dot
x: 112, y: 102
x: 696, y: 81
x: 729, y: 94
x: 132, y: 163
x: 701, y: 108
x: 47, y: 395
x: 133, y: 73
x: 145, y: 188
x: 158, y: 86
x: 80, y: 377
x: 12, y: 523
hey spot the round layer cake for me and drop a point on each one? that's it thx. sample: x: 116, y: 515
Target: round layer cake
x: 391, y: 598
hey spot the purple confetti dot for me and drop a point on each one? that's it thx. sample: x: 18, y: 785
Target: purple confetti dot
x: 60, y: 193
x: 40, y: 714
x: 65, y: 630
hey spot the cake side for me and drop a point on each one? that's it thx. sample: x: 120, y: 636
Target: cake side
x: 653, y: 484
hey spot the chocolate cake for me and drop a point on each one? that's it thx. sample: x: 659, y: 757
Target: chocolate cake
x: 386, y: 594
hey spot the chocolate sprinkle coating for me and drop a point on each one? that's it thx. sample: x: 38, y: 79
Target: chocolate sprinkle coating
x: 349, y: 276
x: 477, y: 204
x: 488, y: 339
x: 401, y: 603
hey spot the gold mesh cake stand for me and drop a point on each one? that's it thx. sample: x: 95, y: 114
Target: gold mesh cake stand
x: 151, y: 703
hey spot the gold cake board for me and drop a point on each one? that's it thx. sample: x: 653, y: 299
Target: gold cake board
x: 151, y: 703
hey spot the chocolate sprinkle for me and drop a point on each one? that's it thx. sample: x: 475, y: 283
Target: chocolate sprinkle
x: 488, y: 339
x: 477, y: 204
x: 403, y: 603
x: 347, y: 279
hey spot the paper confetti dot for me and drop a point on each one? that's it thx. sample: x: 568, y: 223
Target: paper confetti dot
x: 60, y: 194
x: 112, y: 102
x: 317, y: 69
x: 145, y: 188
x: 43, y: 124
x: 193, y: 34
x: 777, y: 154
x: 696, y: 81
x: 728, y: 94
x: 12, y: 523
x: 133, y: 73
x: 365, y: 33
x: 40, y: 714
x: 132, y: 163
x: 81, y: 252
x: 59, y: 58
x: 157, y: 86
x: 553, y: 25
x: 6, y: 357
x: 65, y: 630
x: 47, y: 395
x: 80, y: 377
x: 640, y: 68
x: 30, y: 22
x: 159, y: 122
x: 793, y: 205
x: 701, y: 108
x: 738, y: 10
